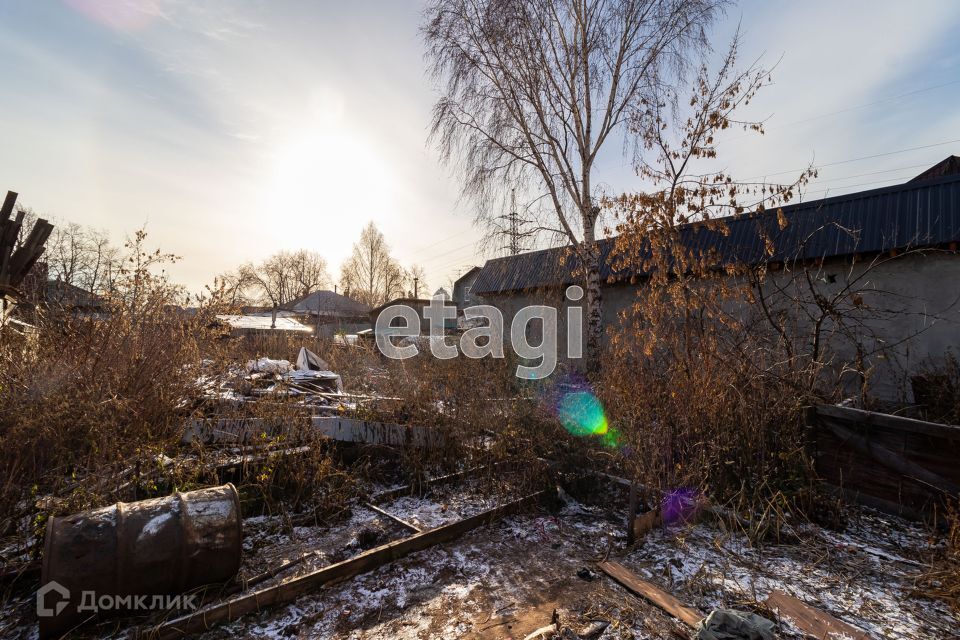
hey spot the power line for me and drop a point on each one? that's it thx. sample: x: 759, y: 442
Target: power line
x: 860, y: 184
x: 457, y: 262
x: 839, y: 162
x: 442, y: 240
x: 873, y: 173
x: 434, y: 258
x: 849, y: 109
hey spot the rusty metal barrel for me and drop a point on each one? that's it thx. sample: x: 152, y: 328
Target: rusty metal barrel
x: 153, y: 547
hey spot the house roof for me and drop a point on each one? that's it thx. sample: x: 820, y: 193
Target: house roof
x: 330, y: 303
x: 467, y: 275
x: 921, y: 213
x: 949, y: 166
x: 262, y: 322
x: 395, y: 301
x: 68, y: 295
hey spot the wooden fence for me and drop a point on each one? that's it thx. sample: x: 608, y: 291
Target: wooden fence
x: 900, y: 465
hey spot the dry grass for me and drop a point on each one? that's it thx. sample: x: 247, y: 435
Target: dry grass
x: 942, y: 579
x: 937, y: 392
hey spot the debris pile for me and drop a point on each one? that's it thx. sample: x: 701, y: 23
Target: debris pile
x: 308, y: 380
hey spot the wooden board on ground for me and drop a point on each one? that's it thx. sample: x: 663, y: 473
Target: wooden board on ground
x: 813, y: 622
x: 656, y: 595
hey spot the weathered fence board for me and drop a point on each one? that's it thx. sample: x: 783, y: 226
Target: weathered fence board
x: 251, y: 430
x: 901, y: 465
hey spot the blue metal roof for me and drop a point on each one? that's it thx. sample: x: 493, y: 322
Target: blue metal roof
x: 906, y: 216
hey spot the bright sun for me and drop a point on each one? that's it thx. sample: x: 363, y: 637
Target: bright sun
x: 330, y: 183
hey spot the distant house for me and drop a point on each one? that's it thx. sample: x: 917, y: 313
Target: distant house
x: 330, y: 313
x: 63, y: 297
x: 463, y: 289
x: 417, y: 304
x: 262, y: 323
x: 917, y: 222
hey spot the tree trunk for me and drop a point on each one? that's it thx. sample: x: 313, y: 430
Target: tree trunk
x: 594, y: 316
x: 590, y: 259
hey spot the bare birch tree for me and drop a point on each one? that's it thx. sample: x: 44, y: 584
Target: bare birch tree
x: 533, y: 89
x: 371, y: 275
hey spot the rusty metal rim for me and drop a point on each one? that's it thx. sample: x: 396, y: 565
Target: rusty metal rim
x: 47, y: 544
x: 236, y: 502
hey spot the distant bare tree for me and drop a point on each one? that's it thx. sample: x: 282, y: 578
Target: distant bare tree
x: 371, y: 275
x: 309, y: 270
x: 284, y: 276
x: 418, y: 280
x: 82, y: 257
x: 533, y: 89
x: 236, y: 287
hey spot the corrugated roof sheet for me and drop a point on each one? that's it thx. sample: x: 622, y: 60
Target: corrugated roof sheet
x: 910, y: 215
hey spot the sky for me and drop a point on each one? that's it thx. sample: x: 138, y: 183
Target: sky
x: 236, y: 129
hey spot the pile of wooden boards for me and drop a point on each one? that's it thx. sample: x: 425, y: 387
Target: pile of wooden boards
x: 16, y: 257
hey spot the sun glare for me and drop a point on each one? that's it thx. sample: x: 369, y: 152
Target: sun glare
x: 328, y: 180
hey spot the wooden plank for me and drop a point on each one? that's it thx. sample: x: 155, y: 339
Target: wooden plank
x: 235, y: 608
x: 653, y: 593
x: 406, y: 490
x: 382, y: 433
x: 631, y: 513
x: 860, y: 496
x: 897, y: 464
x: 7, y: 207
x: 28, y: 255
x: 813, y: 622
x: 398, y: 520
x: 891, y: 460
x: 899, y: 423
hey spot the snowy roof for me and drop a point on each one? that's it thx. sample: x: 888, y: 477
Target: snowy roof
x: 263, y: 322
x: 330, y: 303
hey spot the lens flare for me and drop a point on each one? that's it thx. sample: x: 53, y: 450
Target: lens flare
x: 121, y: 15
x: 680, y: 505
x: 581, y: 413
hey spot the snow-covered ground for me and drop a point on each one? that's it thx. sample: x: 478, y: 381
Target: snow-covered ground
x: 505, y: 580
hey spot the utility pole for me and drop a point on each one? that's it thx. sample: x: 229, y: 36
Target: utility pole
x: 514, y: 231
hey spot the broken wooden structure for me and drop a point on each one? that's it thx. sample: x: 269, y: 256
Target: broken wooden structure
x: 17, y: 254
x: 899, y: 465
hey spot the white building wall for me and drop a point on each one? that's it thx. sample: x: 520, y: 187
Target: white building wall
x: 902, y: 315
